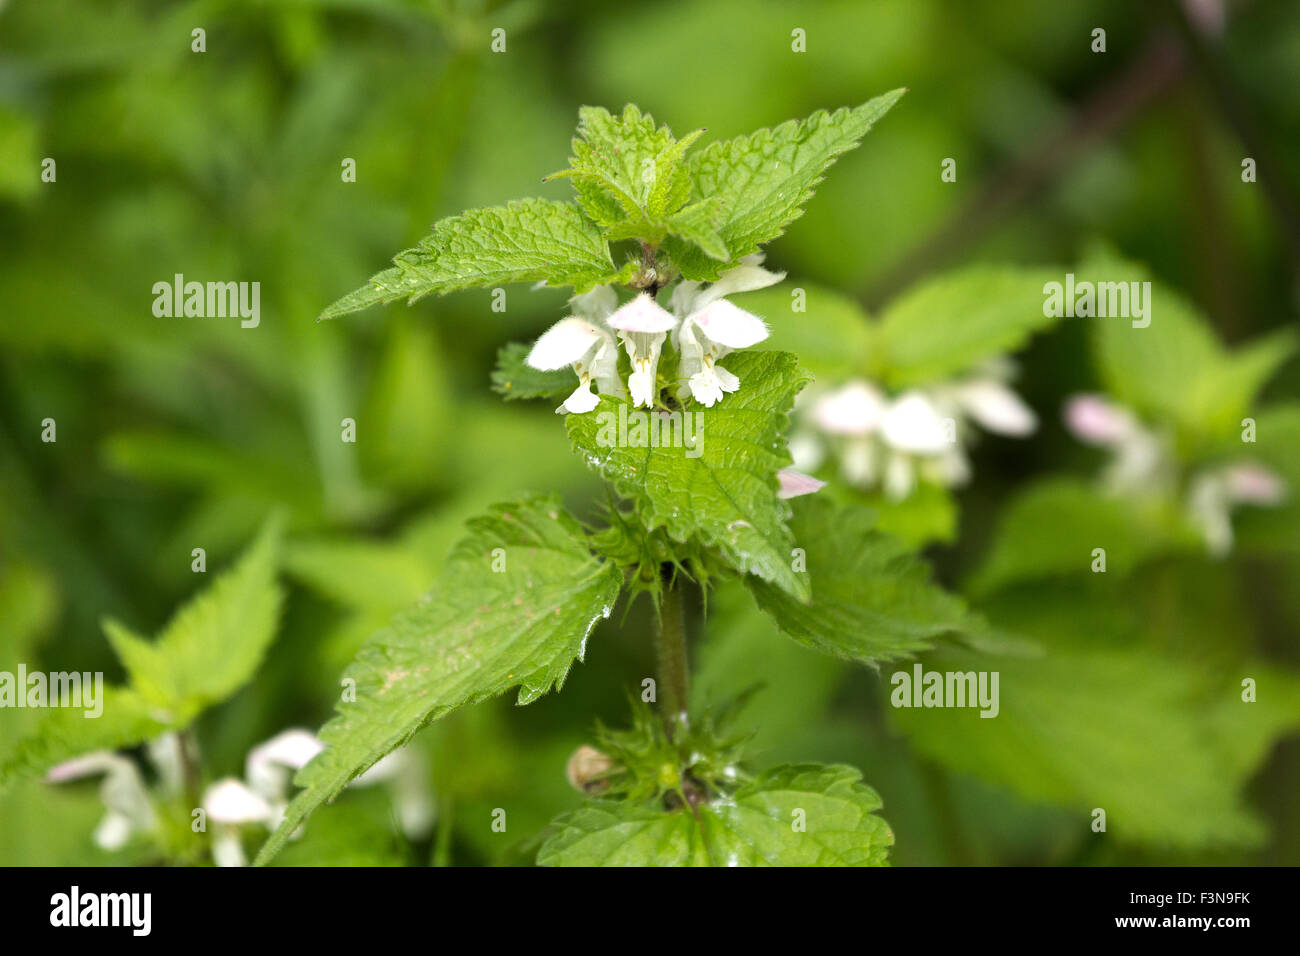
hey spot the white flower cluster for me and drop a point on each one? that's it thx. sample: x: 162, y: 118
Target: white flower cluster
x: 892, y: 442
x: 703, y: 325
x: 231, y: 804
x: 1142, y: 463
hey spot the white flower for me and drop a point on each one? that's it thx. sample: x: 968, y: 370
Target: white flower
x: 1141, y: 460
x: 230, y: 805
x: 895, y: 442
x: 270, y: 767
x: 913, y: 424
x: 1143, y: 464
x: 643, y: 324
x: 407, y: 777
x: 995, y: 407
x: 1213, y: 495
x: 583, y: 341
x: 856, y: 409
x: 122, y: 792
x: 711, y: 327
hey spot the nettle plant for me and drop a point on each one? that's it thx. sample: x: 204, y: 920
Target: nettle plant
x: 663, y: 395
x: 665, y: 391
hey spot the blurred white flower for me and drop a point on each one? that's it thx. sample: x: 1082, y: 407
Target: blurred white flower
x: 122, y: 792
x: 1213, y: 495
x: 892, y: 443
x: 230, y: 805
x: 1143, y: 464
x: 407, y: 777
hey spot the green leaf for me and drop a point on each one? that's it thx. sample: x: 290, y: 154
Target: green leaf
x: 832, y: 336
x: 698, y: 224
x: 626, y: 168
x: 209, y: 650
x: 213, y: 645
x: 872, y: 598
x: 1175, y: 370
x: 478, y: 634
x: 946, y: 325
x: 763, y: 179
x: 64, y: 733
x: 530, y: 240
x: 1052, y: 527
x: 1138, y: 734
x: 727, y: 494
x: 515, y: 378
x: 755, y: 826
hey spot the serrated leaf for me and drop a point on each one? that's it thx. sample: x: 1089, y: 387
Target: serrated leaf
x: 209, y: 650
x: 1175, y: 370
x: 478, y: 634
x: 64, y: 733
x: 949, y: 324
x: 727, y: 494
x: 515, y: 378
x: 872, y: 598
x: 755, y: 826
x: 213, y: 645
x: 698, y: 223
x: 764, y: 178
x: 624, y: 167
x: 529, y: 240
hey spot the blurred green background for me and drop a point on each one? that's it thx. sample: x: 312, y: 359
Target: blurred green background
x: 182, y: 433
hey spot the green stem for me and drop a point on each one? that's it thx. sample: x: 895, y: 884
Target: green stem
x: 670, y: 650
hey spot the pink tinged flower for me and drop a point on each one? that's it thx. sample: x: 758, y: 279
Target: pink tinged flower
x: 796, y: 483
x: 855, y: 410
x: 996, y: 407
x: 1093, y: 420
x: 1253, y: 484
x: 913, y: 424
x: 643, y: 324
x: 592, y: 353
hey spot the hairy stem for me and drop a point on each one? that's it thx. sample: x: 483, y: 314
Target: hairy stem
x: 670, y: 651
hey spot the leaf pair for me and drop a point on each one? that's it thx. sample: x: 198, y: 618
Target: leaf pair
x: 209, y: 649
x: 634, y: 181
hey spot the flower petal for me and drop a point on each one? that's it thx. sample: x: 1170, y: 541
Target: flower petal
x: 796, y: 483
x: 1252, y: 484
x: 729, y: 325
x: 642, y: 314
x: 855, y: 409
x: 997, y: 408
x: 913, y: 424
x: 746, y: 277
x: 1094, y: 420
x: 231, y: 801
x: 596, y: 305
x: 564, y: 343
x: 581, y: 401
